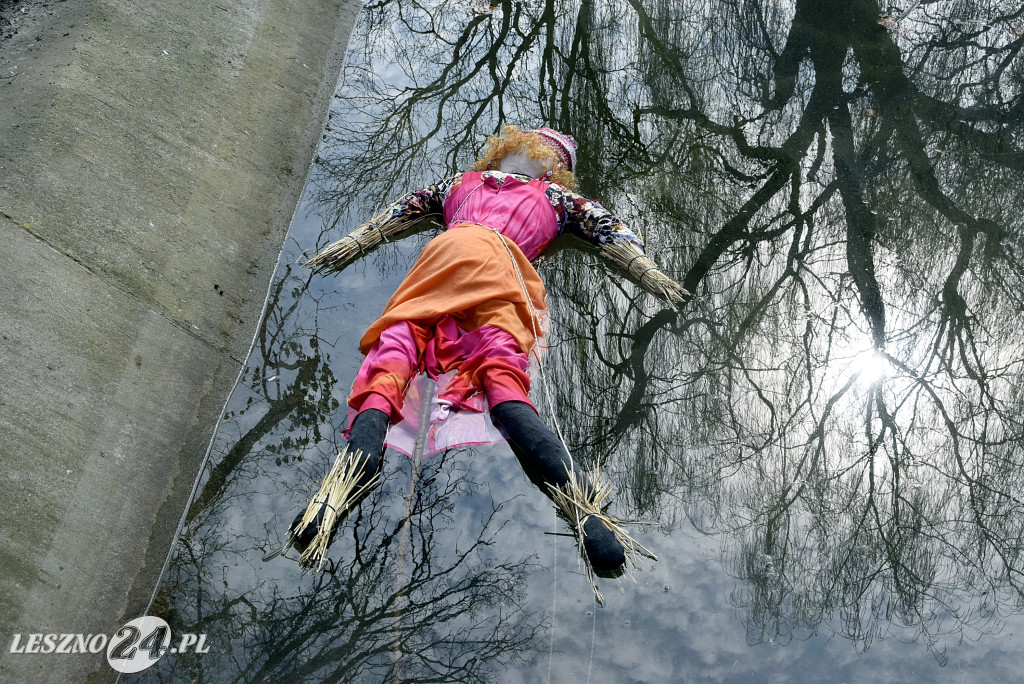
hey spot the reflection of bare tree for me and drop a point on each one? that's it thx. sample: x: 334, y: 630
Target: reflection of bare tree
x: 843, y: 193
x: 928, y: 481
x: 290, y: 380
x: 413, y: 600
x: 449, y: 72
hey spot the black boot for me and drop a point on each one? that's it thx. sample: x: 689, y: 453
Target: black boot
x: 367, y: 436
x: 368, y: 432
x: 606, y: 554
x: 541, y: 451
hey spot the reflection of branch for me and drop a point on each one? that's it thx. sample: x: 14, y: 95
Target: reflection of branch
x: 313, y: 376
x: 642, y: 338
x: 448, y: 610
x: 860, y: 223
x: 733, y: 231
x: 997, y: 148
x: 226, y: 466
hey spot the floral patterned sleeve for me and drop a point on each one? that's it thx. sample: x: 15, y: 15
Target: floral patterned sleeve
x: 587, y: 219
x: 420, y: 203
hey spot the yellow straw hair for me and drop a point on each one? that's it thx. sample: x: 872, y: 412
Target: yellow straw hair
x: 513, y: 139
x: 341, y: 492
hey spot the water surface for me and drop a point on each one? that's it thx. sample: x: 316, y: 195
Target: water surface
x: 826, y: 439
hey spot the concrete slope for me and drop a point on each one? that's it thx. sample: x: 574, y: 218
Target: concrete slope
x: 151, y: 156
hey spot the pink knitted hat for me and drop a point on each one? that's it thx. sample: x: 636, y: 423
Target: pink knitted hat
x: 563, y: 145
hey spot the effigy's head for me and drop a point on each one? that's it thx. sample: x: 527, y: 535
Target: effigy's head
x: 541, y: 152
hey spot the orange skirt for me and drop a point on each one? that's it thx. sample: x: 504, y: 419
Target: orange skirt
x: 466, y: 272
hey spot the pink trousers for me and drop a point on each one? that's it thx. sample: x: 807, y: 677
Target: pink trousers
x: 489, y: 367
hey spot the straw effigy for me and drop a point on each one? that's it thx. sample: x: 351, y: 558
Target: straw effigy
x: 575, y: 501
x: 582, y: 497
x: 340, y: 491
x: 627, y: 256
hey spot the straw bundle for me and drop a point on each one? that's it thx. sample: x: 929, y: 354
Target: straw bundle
x: 382, y: 228
x: 341, y: 490
x: 626, y: 255
x: 580, y: 499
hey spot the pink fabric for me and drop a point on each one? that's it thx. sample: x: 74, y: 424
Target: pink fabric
x: 385, y: 373
x: 465, y: 373
x: 431, y: 427
x: 518, y: 209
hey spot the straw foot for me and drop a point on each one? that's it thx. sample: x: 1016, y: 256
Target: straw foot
x: 352, y: 477
x: 603, y: 541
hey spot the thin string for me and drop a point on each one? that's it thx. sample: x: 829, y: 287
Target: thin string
x: 466, y: 199
x: 362, y: 250
x: 629, y: 264
x: 554, y: 608
x: 593, y: 639
x: 534, y: 317
x: 646, y: 271
x: 534, y: 320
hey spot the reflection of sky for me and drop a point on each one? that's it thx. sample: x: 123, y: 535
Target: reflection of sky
x: 687, y: 616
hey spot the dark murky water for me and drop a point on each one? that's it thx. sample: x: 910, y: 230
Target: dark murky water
x: 827, y: 439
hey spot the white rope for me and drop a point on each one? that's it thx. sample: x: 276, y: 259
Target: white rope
x: 534, y: 319
x: 593, y: 639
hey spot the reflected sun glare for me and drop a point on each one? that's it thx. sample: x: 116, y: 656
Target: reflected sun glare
x: 870, y: 366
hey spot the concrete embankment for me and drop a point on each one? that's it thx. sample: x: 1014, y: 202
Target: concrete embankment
x: 151, y: 156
